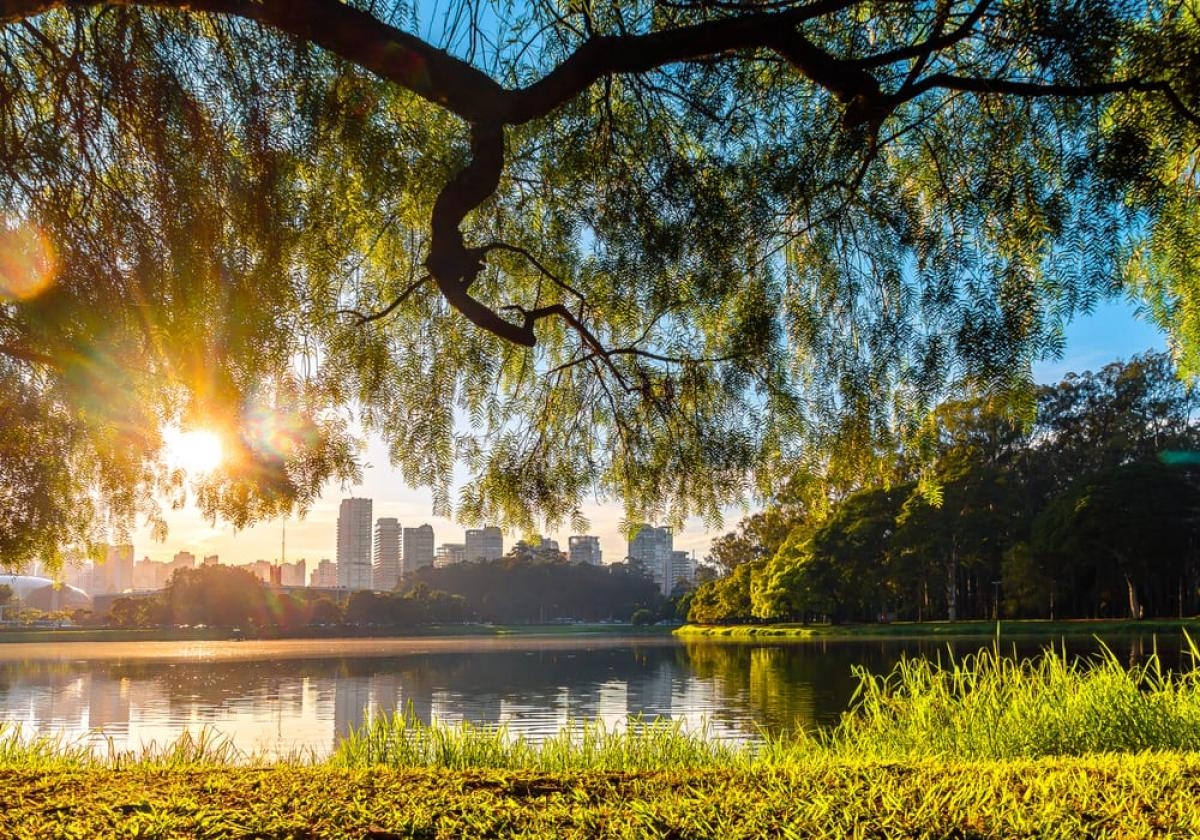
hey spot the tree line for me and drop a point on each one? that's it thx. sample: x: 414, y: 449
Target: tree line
x: 512, y: 590
x: 1088, y: 506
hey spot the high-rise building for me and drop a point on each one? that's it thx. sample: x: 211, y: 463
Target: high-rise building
x: 387, y: 554
x: 683, y: 568
x: 584, y: 549
x: 325, y: 575
x: 417, y: 548
x: 449, y: 553
x: 484, y: 544
x: 115, y: 574
x: 148, y: 575
x: 651, y: 549
x: 354, y: 544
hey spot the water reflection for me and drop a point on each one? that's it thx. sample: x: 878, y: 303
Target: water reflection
x: 274, y: 700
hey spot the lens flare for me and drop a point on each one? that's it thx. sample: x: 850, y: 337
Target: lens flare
x: 26, y: 262
x: 196, y: 452
x: 279, y: 432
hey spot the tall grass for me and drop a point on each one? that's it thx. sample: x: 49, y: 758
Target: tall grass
x: 987, y: 706
x: 402, y: 740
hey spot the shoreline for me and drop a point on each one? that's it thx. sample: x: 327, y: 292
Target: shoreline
x: 905, y: 630
x: 37, y: 635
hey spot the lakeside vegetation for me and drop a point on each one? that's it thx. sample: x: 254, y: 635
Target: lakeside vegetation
x: 1079, y: 503
x: 1014, y: 629
x: 981, y: 747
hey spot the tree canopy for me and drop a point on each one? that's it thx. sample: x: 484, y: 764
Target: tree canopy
x: 651, y: 250
x: 1090, y: 510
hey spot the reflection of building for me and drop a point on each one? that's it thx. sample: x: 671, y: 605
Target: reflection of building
x: 651, y: 549
x: 351, y: 703
x: 354, y: 544
x: 450, y: 553
x: 584, y: 549
x: 417, y: 548
x: 484, y: 544
x: 387, y: 554
x: 108, y: 703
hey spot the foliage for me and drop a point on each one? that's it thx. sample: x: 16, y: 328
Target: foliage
x: 1126, y: 535
x: 420, y: 605
x: 655, y: 251
x: 513, y: 590
x: 1087, y: 508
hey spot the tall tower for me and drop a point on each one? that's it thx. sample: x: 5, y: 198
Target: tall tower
x: 485, y: 543
x: 354, y: 544
x: 418, y: 548
x: 585, y: 549
x: 651, y: 549
x: 387, y: 554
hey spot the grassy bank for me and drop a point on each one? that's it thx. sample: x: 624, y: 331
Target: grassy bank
x: 1102, y: 796
x: 982, y: 747
x: 1024, y: 629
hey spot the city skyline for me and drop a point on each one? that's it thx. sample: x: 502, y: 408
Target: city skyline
x: 1112, y: 332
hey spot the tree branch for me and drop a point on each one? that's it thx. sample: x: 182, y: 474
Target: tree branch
x: 387, y: 310
x: 1030, y: 89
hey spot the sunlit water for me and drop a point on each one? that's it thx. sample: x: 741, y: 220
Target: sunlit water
x: 303, y: 696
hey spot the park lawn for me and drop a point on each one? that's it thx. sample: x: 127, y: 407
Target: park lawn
x: 1147, y: 795
x: 1008, y: 629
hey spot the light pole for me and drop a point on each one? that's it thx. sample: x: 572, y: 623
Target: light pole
x: 996, y: 605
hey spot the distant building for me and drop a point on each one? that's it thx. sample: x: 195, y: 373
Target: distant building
x: 354, y: 544
x: 651, y: 549
x: 387, y: 566
x: 325, y: 576
x: 417, y: 548
x: 450, y: 553
x: 149, y: 574
x: 683, y: 569
x: 584, y: 549
x: 211, y: 560
x: 293, y: 574
x: 115, y: 574
x: 484, y: 544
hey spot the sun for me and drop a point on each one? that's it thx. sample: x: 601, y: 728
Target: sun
x: 196, y: 452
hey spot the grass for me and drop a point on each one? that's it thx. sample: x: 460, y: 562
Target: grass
x: 978, y: 747
x: 1015, y: 629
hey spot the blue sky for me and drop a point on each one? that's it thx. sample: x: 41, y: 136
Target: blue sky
x: 1111, y: 332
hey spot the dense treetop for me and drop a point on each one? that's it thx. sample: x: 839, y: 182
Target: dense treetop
x: 656, y: 250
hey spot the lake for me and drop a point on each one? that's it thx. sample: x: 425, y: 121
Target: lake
x: 275, y: 698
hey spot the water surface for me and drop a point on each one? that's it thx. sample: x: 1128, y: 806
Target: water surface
x: 302, y: 695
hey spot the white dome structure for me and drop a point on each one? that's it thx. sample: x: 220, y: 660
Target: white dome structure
x: 44, y: 594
